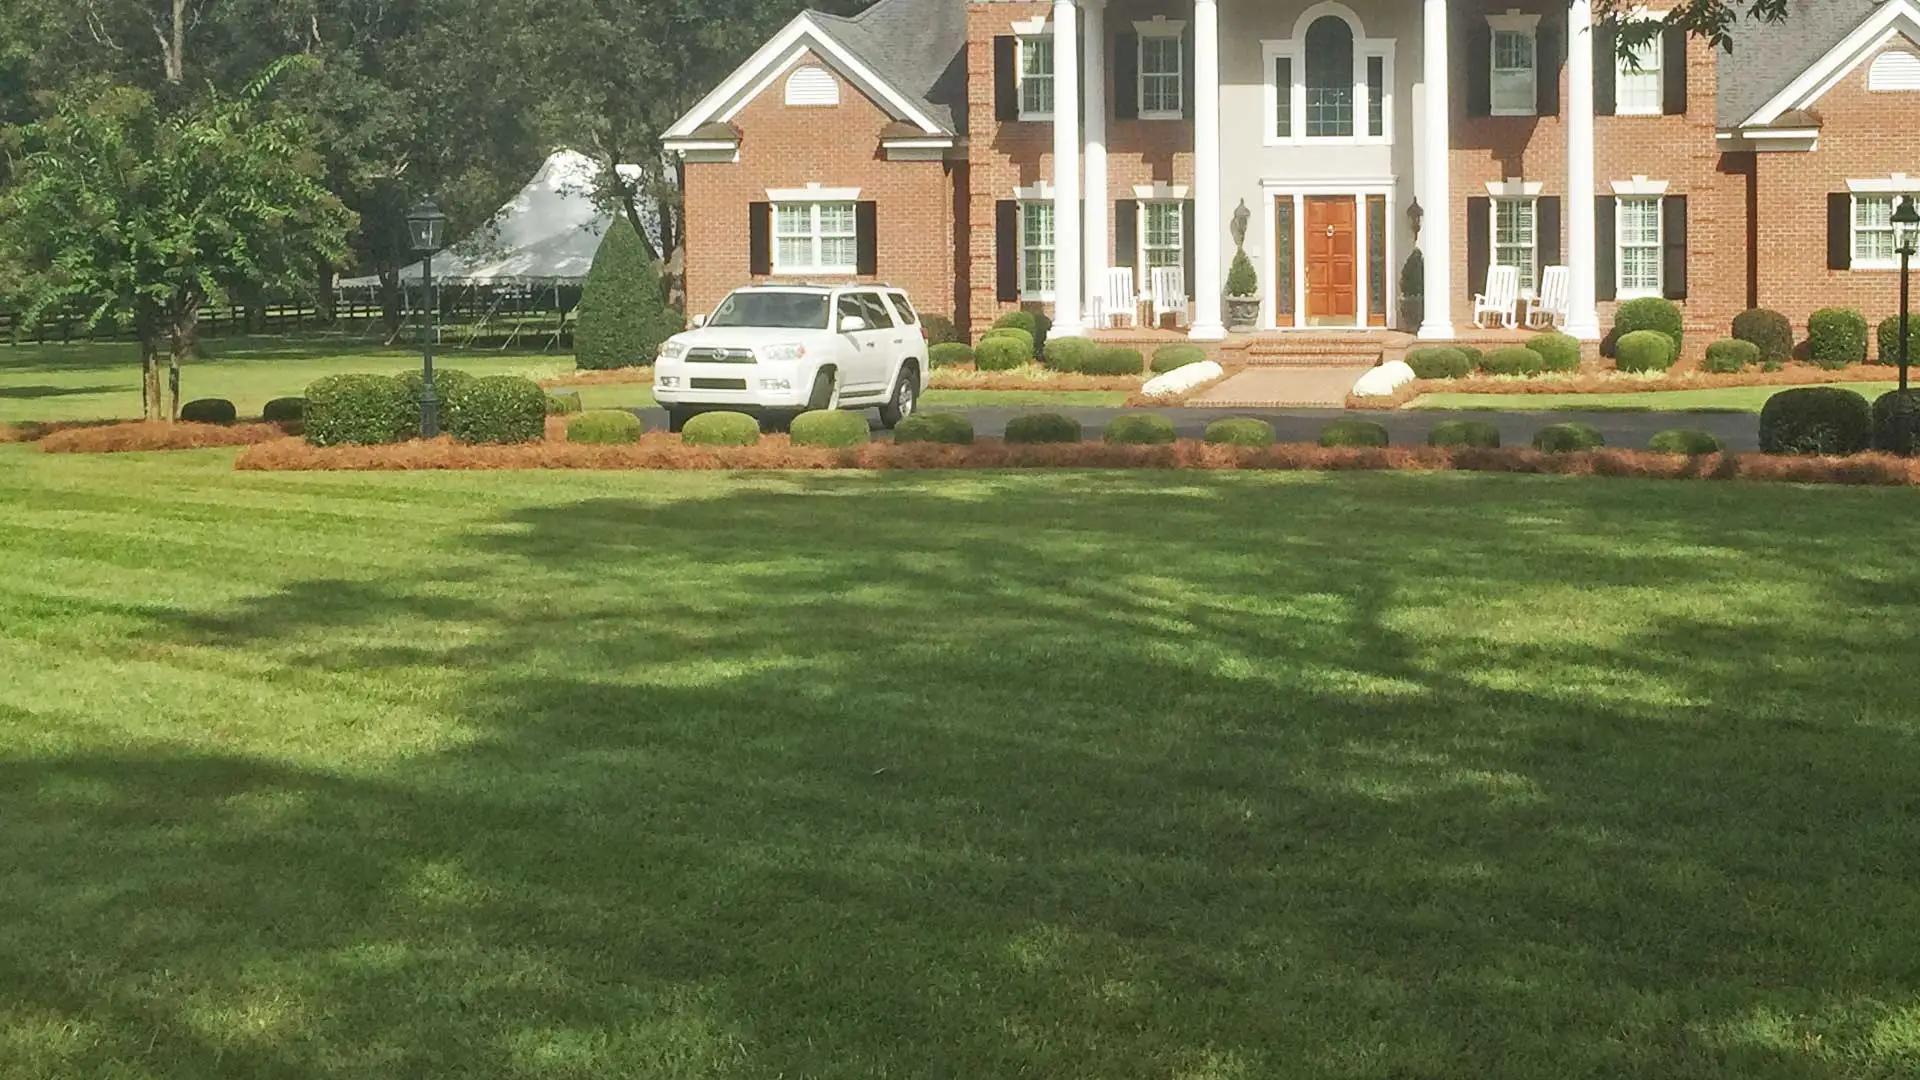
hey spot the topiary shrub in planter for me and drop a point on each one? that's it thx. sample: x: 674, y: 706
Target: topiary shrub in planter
x: 1139, y: 429
x: 211, y: 410
x: 836, y: 428
x: 1769, y: 331
x: 1043, y: 427
x: 1889, y: 340
x: 359, y: 410
x: 1475, y: 433
x: 1816, y: 420
x: 1558, y: 351
x: 1837, y: 337
x: 623, y: 317
x: 999, y: 354
x: 1512, y: 360
x: 1648, y: 313
x: 940, y: 330
x: 1173, y: 357
x: 1022, y: 342
x: 950, y: 354
x: 1240, y: 431
x: 605, y: 427
x: 1439, y: 362
x: 720, y: 429
x: 1896, y: 422
x: 1729, y: 355
x: 1567, y: 438
x: 1115, y: 360
x: 284, y: 410
x: 496, y: 409
x: 1643, y: 350
x: 1069, y: 353
x: 1353, y: 433
x: 1685, y: 441
x: 935, y: 427
x: 564, y: 403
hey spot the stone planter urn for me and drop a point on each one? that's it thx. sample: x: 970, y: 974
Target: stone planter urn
x: 1243, y: 312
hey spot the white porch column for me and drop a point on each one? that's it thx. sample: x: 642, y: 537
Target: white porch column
x: 1206, y: 172
x: 1094, y: 33
x: 1436, y: 198
x: 1583, y: 321
x: 1066, y: 172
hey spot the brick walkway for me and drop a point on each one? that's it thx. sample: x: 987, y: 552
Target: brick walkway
x: 1281, y: 387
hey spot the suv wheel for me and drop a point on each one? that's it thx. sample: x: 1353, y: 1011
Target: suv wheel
x: 906, y: 394
x: 822, y: 396
x: 677, y: 419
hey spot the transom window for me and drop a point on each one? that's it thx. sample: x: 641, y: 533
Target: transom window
x: 1637, y: 88
x: 814, y: 237
x: 1637, y: 225
x: 1873, y: 231
x: 1162, y: 77
x: 1036, y: 78
x: 1515, y: 58
x: 1516, y: 237
x: 1036, y: 250
x: 1163, y: 241
x: 1329, y: 78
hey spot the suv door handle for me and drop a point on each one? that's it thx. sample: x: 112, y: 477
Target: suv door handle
x: 898, y: 341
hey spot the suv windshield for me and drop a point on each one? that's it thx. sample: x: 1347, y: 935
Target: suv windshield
x: 788, y: 310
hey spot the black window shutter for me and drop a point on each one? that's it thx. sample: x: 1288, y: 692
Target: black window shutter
x: 1006, y: 250
x: 1606, y: 50
x: 760, y: 238
x: 1186, y: 74
x: 1126, y: 75
x: 1479, y: 68
x: 1840, y: 231
x: 1006, y: 88
x: 1546, y: 220
x: 1673, y: 227
x: 1673, y: 72
x: 1546, y: 66
x: 1186, y: 245
x: 866, y: 240
x: 1479, y: 243
x: 1125, y: 236
x: 1606, y: 240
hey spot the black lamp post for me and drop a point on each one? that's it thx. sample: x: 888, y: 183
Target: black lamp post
x: 1906, y: 236
x: 427, y: 227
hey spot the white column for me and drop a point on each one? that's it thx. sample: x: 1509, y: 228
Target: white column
x: 1583, y: 321
x: 1066, y: 172
x: 1436, y: 198
x: 1206, y: 172
x: 1094, y: 33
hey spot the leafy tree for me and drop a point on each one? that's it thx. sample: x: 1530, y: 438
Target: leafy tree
x: 623, y: 315
x: 1713, y: 20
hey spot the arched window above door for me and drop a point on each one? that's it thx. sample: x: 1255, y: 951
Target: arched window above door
x: 1329, y: 82
x: 1329, y: 75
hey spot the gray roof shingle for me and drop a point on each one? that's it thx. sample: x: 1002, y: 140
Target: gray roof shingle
x: 1768, y: 56
x: 917, y: 46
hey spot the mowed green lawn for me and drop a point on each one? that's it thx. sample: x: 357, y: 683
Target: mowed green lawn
x: 1049, y: 774
x: 1729, y: 399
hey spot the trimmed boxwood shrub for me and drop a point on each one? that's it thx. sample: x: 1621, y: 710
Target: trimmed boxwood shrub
x: 1686, y: 441
x: 359, y: 410
x: 1115, y: 360
x: 1069, y: 353
x: 1771, y: 331
x: 1648, y: 313
x: 1474, y: 356
x: 1149, y: 429
x: 1439, y: 362
x: 1816, y: 420
x: 935, y: 427
x: 1474, y: 433
x: 1043, y: 427
x: 720, y: 429
x: 284, y: 410
x: 1512, y: 360
x: 605, y: 427
x: 999, y: 354
x: 1019, y: 320
x: 212, y: 410
x: 1837, y: 337
x: 1643, y: 350
x: 829, y: 427
x: 950, y: 354
x: 446, y: 383
x: 1889, y: 340
x: 1558, y: 351
x: 1567, y: 438
x: 1022, y: 341
x: 564, y: 403
x: 1896, y: 422
x: 1729, y: 355
x: 939, y: 330
x: 1240, y: 431
x: 623, y: 317
x: 496, y: 409
x: 1353, y: 433
x: 1173, y: 357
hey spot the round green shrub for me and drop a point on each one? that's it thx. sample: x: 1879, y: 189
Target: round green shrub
x: 1069, y: 353
x: 1770, y: 331
x: 1816, y: 420
x: 1888, y: 337
x: 496, y: 409
x: 950, y: 354
x: 211, y: 410
x: 1896, y: 422
x: 1512, y: 360
x: 1558, y: 351
x: 836, y: 428
x: 1022, y: 342
x: 1114, y: 360
x: 446, y: 382
x: 1474, y: 433
x: 284, y: 410
x: 939, y: 330
x: 720, y: 429
x: 1685, y: 441
x: 1240, y: 431
x: 1643, y: 350
x: 1353, y: 433
x: 1567, y: 438
x: 1043, y: 427
x: 999, y: 354
x: 564, y: 403
x: 1019, y: 320
x: 359, y: 410
x: 1837, y: 337
x: 1439, y: 362
x: 605, y: 427
x: 1648, y: 313
x: 1474, y: 356
x: 623, y: 317
x: 1729, y: 355
x: 935, y: 427
x: 1172, y: 357
x: 1149, y: 429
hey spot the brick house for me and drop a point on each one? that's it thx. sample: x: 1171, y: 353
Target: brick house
x: 990, y: 155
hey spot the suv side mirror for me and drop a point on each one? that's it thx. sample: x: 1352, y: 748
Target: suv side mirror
x: 699, y: 321
x: 850, y: 323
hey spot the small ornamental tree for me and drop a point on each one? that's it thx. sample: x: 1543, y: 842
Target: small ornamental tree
x: 623, y: 317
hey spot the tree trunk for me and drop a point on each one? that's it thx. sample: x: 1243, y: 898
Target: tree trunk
x: 183, y: 339
x: 323, y: 295
x: 150, y: 403
x: 391, y: 314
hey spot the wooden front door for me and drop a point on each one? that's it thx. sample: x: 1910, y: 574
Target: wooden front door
x: 1328, y: 242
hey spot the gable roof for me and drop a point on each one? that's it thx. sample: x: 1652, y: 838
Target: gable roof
x: 1773, y: 64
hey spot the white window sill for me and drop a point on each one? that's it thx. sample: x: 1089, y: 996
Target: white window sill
x: 1036, y: 118
x: 1619, y: 111
x: 1036, y: 298
x: 1145, y: 115
x: 1529, y: 111
x: 1874, y: 264
x: 1624, y: 295
x: 793, y: 271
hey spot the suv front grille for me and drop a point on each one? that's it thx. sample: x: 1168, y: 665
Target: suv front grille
x: 717, y: 384
x: 708, y: 355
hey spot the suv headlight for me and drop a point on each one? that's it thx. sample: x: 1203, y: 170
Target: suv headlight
x: 672, y: 350
x: 775, y: 354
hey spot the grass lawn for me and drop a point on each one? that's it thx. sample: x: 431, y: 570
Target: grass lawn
x: 1215, y: 775
x: 1731, y: 399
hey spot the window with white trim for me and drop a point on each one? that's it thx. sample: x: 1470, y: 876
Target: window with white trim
x: 1637, y: 237
x: 1636, y: 80
x: 1516, y: 239
x: 816, y: 237
x: 1036, y: 78
x: 1515, y: 60
x: 1162, y: 77
x: 1873, y: 247
x: 1163, y: 239
x: 1328, y: 85
x: 1036, y: 250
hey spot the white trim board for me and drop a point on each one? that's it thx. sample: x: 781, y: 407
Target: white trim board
x: 1894, y: 18
x: 813, y: 193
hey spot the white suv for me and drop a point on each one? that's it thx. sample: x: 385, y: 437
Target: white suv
x: 777, y: 350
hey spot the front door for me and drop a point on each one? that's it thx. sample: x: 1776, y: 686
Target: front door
x: 1328, y: 244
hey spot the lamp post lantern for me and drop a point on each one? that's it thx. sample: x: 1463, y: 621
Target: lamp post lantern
x: 426, y: 229
x: 1906, y: 237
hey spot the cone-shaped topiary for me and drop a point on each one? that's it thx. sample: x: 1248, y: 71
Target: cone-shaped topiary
x: 1475, y: 433
x: 1241, y: 280
x: 623, y: 315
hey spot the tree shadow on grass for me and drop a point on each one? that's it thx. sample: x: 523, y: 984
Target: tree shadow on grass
x: 28, y: 393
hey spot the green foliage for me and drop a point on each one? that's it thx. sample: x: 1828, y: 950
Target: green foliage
x: 1643, y: 350
x: 1000, y: 354
x: 1022, y: 341
x: 1114, y: 360
x: 1018, y: 320
x: 1567, y: 438
x: 1512, y: 360
x: 1896, y: 422
x: 720, y: 429
x: 1241, y: 280
x: 1042, y: 331
x: 605, y: 427
x: 564, y: 403
x: 495, y: 409
x: 359, y: 410
x: 836, y: 428
x: 1240, y: 431
x: 284, y: 410
x: 939, y: 330
x: 1475, y: 433
x: 1816, y: 420
x: 1173, y: 357
x: 623, y: 317
x: 446, y: 382
x: 1837, y: 337
x: 1648, y: 313
x: 209, y: 411
x: 1139, y: 429
x: 1729, y: 355
x: 1413, y: 274
x: 1889, y: 340
x: 1069, y: 353
x: 950, y: 354
x: 1557, y: 351
x: 1439, y: 362
x: 1770, y: 331
x: 1686, y: 441
x: 1473, y: 354
x: 935, y: 427
x: 1043, y: 427
x: 1354, y: 433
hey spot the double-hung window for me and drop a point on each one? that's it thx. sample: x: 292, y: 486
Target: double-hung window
x: 1516, y: 237
x: 1163, y: 240
x: 816, y: 237
x: 1036, y: 250
x: 1637, y: 87
x: 1637, y: 229
x: 1162, y: 77
x: 1873, y: 245
x: 1036, y: 78
x: 1515, y: 61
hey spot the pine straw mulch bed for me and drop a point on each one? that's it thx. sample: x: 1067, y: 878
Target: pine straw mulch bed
x: 667, y: 452
x: 1614, y: 382
x: 141, y: 435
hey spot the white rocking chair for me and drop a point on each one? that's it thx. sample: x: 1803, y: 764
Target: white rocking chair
x: 1548, y: 310
x: 1503, y: 293
x: 1119, y: 300
x: 1169, y: 294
